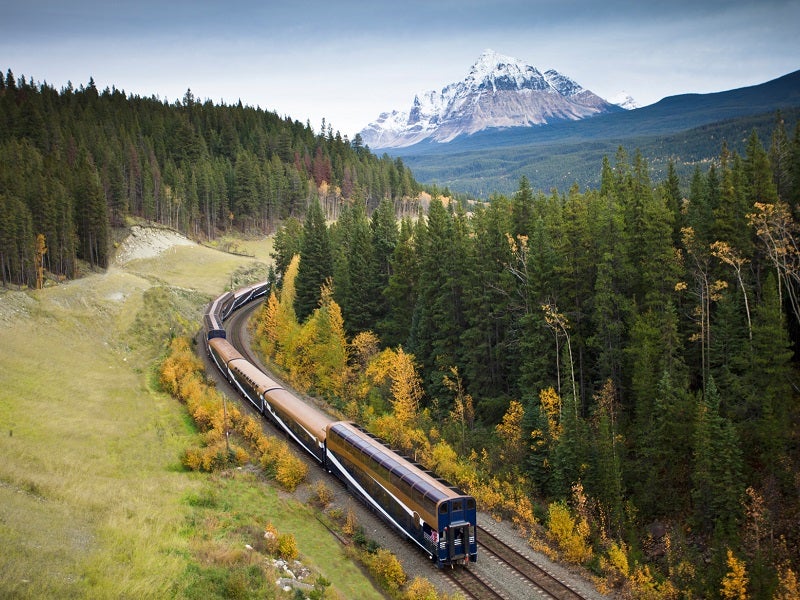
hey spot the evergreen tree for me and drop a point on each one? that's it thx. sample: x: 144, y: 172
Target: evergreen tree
x: 717, y: 488
x: 385, y: 232
x: 315, y: 262
x: 360, y: 302
x: 401, y: 292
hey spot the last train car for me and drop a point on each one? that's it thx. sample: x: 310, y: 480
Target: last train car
x: 438, y: 518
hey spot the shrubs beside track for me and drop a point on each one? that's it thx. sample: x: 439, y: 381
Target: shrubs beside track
x: 230, y: 438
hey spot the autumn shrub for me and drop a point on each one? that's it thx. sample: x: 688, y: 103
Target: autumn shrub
x: 280, y: 464
x: 788, y: 585
x: 386, y: 569
x: 287, y: 546
x: 420, y: 589
x: 571, y: 534
x: 644, y: 586
x: 323, y: 494
x: 350, y: 523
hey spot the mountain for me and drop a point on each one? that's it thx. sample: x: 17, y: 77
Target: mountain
x: 624, y: 100
x: 498, y: 92
x: 687, y: 129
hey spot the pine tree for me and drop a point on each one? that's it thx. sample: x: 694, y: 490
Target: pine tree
x: 717, y: 488
x: 401, y: 292
x: 361, y: 299
x: 315, y: 263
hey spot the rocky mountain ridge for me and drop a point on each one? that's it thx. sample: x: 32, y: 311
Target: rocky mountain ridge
x: 498, y: 92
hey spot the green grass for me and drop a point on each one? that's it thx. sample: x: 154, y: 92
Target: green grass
x: 93, y: 498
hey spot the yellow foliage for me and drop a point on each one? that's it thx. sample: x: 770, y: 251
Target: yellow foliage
x: 734, y: 584
x: 288, y: 470
x: 406, y: 387
x: 444, y: 461
x: 788, y: 586
x: 645, y: 587
x: 571, y: 534
x: 618, y: 558
x: 350, y: 522
x: 421, y: 589
x: 287, y: 546
x: 387, y: 569
x: 510, y: 432
x: 323, y: 493
x: 364, y: 348
x: 316, y: 357
x: 550, y: 402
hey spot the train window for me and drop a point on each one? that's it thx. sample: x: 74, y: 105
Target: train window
x: 457, y: 505
x: 470, y: 503
x: 443, y: 508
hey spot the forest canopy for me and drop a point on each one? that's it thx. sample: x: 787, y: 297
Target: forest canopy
x: 630, y: 350
x: 75, y: 163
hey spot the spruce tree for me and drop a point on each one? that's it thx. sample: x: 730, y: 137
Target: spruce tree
x: 315, y: 262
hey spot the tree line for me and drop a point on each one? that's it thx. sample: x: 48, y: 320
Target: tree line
x: 74, y: 163
x: 631, y: 350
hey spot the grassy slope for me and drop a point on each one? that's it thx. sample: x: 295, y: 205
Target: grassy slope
x: 93, y: 499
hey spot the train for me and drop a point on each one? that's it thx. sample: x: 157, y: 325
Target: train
x: 436, y: 517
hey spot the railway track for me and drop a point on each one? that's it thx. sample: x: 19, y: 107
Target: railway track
x: 529, y: 570
x: 473, y: 585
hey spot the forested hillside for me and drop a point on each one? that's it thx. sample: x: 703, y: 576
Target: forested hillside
x: 628, y: 354
x: 75, y: 162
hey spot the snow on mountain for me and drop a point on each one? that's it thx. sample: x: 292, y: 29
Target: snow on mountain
x: 624, y: 100
x: 498, y: 92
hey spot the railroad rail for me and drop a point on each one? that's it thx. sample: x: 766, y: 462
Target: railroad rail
x: 526, y: 567
x: 472, y: 584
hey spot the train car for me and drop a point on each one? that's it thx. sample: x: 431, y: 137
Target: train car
x: 438, y: 518
x: 222, y: 353
x: 245, y: 295
x: 212, y: 318
x: 303, y: 423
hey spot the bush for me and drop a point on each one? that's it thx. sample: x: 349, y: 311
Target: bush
x: 287, y: 546
x: 387, y: 569
x: 570, y: 534
x: 421, y: 589
x: 323, y: 494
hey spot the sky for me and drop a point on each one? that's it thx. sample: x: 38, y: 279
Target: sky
x: 347, y: 61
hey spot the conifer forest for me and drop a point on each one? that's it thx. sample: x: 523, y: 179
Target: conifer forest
x: 627, y: 353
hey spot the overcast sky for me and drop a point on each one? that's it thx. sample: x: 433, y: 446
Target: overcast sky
x: 349, y: 60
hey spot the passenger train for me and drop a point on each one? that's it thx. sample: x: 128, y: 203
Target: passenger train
x: 439, y: 518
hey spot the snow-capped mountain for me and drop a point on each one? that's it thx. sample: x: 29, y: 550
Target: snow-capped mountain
x: 624, y: 100
x: 498, y: 92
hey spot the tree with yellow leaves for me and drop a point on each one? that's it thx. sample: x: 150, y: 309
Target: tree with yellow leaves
x: 788, y: 585
x: 406, y: 387
x: 318, y: 354
x: 509, y: 430
x: 734, y: 584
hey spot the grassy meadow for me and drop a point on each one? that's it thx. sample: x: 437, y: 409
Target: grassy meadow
x: 94, y: 501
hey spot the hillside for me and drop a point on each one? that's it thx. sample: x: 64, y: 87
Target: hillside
x: 686, y: 129
x: 95, y: 501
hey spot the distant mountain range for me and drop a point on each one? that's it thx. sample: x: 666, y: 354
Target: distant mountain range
x: 687, y: 129
x: 498, y: 92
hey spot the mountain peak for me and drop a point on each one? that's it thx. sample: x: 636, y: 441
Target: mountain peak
x: 498, y: 92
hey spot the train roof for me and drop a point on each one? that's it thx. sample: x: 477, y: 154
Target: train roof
x: 284, y: 401
x: 413, y: 474
x: 224, y: 350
